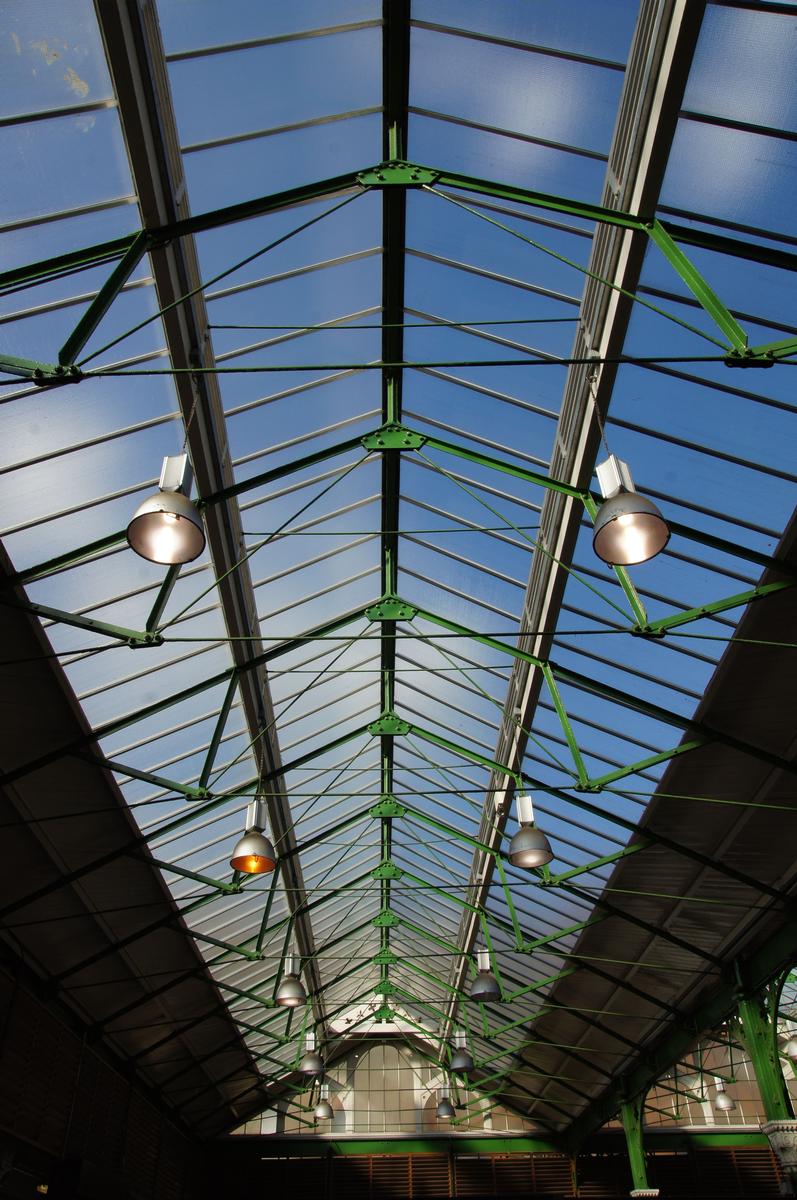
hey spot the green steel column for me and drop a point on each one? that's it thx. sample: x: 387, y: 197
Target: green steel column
x: 631, y: 1115
x: 395, y: 85
x: 758, y: 1035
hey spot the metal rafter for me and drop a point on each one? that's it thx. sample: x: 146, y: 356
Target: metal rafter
x: 136, y: 61
x: 664, y: 44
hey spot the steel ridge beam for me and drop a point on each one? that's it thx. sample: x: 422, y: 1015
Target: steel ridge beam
x: 395, y: 93
x: 660, y: 56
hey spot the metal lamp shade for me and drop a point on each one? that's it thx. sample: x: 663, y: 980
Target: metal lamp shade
x: 167, y: 528
x: 485, y: 987
x: 445, y: 1110
x: 691, y: 1083
x: 253, y: 854
x: 291, y: 993
x: 724, y: 1103
x: 312, y: 1063
x: 324, y: 1111
x: 461, y: 1061
x: 530, y: 848
x: 629, y: 529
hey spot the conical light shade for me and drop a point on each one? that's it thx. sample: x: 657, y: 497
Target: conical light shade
x: 691, y: 1083
x: 312, y: 1063
x: 485, y: 987
x: 461, y: 1061
x: 324, y: 1111
x: 290, y: 993
x: 629, y: 529
x: 724, y: 1103
x: 167, y: 528
x: 530, y: 848
x: 445, y: 1110
x: 253, y: 854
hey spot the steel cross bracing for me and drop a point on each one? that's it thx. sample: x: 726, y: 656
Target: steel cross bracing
x: 625, y: 227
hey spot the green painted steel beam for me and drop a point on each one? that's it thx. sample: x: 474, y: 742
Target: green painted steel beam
x: 226, y: 889
x: 105, y: 297
x: 63, y: 264
x: 167, y: 785
x: 717, y: 606
x: 113, y: 726
x: 776, y: 350
x: 631, y: 1115
x: 766, y: 960
x: 218, y: 731
x: 162, y: 598
x: 698, y: 286
x: 599, y: 782
x: 759, y: 1036
x: 135, y: 638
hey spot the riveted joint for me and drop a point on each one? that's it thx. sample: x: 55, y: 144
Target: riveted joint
x: 389, y: 724
x: 145, y: 641
x: 396, y: 173
x: 57, y: 375
x: 388, y: 806
x: 393, y: 436
x: 387, y: 870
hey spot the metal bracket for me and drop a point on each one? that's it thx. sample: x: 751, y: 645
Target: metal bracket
x: 388, y: 724
x: 388, y: 806
x: 387, y: 870
x: 390, y: 608
x: 385, y: 988
x: 748, y: 359
x: 385, y: 957
x: 386, y: 919
x: 393, y: 436
x: 42, y: 374
x: 397, y: 173
x: 145, y: 641
x: 385, y: 1013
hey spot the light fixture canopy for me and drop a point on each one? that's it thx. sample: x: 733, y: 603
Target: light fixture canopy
x: 628, y: 527
x: 312, y: 1063
x: 529, y: 847
x: 254, y: 853
x: 291, y: 993
x: 461, y: 1058
x: 485, y: 986
x: 167, y: 528
x: 445, y: 1109
x: 324, y: 1110
x: 722, y: 1101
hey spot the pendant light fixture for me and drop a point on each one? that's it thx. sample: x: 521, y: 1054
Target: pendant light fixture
x: 324, y: 1110
x: 291, y: 993
x: 722, y: 1101
x: 461, y: 1059
x: 628, y: 527
x: 167, y: 527
x: 529, y: 847
x: 485, y: 986
x: 254, y: 852
x: 312, y: 1063
x: 445, y: 1109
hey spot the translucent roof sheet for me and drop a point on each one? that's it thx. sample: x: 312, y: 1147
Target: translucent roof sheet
x: 394, y: 384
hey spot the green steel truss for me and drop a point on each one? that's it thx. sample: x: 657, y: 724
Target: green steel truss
x: 392, y: 619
